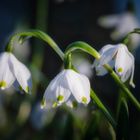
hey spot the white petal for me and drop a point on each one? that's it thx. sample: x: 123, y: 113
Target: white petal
x: 6, y: 76
x: 57, y: 91
x: 126, y: 24
x: 132, y: 73
x: 121, y: 62
x: 124, y: 64
x: 79, y: 86
x: 18, y: 87
x: 129, y: 72
x: 109, y: 21
x: 100, y: 70
x: 107, y: 53
x: 21, y: 73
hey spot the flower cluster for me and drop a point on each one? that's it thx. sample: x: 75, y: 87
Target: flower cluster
x: 68, y: 86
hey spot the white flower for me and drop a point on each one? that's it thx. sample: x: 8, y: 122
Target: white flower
x: 68, y: 86
x: 41, y: 117
x: 13, y: 71
x: 22, y: 50
x: 123, y: 24
x: 119, y: 57
x: 82, y: 64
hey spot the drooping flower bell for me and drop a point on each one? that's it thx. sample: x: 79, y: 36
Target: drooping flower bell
x: 12, y: 71
x: 119, y: 57
x: 67, y: 87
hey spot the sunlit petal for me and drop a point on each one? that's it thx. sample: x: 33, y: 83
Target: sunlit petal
x: 57, y: 91
x: 79, y: 86
x: 6, y: 76
x: 124, y: 65
x: 21, y: 73
x: 107, y: 53
x: 68, y: 86
x: 109, y: 21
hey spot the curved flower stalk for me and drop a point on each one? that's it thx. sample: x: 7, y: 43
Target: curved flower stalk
x: 14, y: 72
x: 68, y: 87
x: 22, y: 36
x: 119, y: 57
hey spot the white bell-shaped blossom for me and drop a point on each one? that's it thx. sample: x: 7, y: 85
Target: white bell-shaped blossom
x: 122, y: 24
x: 13, y: 71
x: 82, y: 64
x: 119, y: 57
x: 67, y: 87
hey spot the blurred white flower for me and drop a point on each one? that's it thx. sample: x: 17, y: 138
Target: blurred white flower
x: 22, y: 51
x: 82, y: 64
x: 123, y: 24
x: 68, y: 87
x: 119, y: 57
x: 41, y: 117
x: 13, y: 71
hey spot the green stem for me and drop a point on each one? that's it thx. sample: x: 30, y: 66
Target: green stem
x: 41, y: 35
x: 67, y: 62
x: 79, y: 45
x: 126, y: 38
x: 102, y: 108
x: 38, y: 34
x: 41, y: 20
x: 122, y: 86
x: 88, y: 49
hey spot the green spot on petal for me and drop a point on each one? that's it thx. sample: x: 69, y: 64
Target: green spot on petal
x: 84, y: 100
x: 43, y: 104
x: 20, y: 88
x: 27, y: 89
x: 120, y: 70
x: 3, y: 84
x: 54, y: 104
x: 60, y: 98
x: 74, y: 104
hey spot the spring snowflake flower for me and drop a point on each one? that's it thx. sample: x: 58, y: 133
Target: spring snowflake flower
x: 119, y: 57
x: 68, y: 87
x: 122, y: 24
x: 82, y: 64
x: 12, y: 71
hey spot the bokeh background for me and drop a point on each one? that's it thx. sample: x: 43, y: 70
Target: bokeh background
x: 97, y: 22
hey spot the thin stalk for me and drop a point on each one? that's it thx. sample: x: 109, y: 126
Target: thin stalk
x: 38, y: 34
x: 122, y: 86
x: 38, y: 52
x: 103, y: 108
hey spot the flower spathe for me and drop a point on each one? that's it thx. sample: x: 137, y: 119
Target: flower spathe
x: 67, y: 87
x: 12, y: 71
x: 119, y: 57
